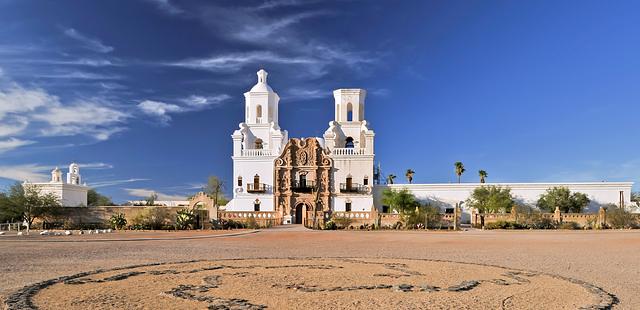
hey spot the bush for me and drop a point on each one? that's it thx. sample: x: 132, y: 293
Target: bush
x: 620, y: 218
x: 117, y: 221
x: 185, y: 218
x: 151, y: 218
x: 330, y: 225
x: 252, y: 223
x: 569, y: 225
x: 226, y: 224
x: 504, y: 225
x: 342, y: 222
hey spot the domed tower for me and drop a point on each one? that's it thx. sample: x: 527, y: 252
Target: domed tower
x: 350, y: 141
x: 73, y: 176
x: 56, y: 175
x: 256, y: 144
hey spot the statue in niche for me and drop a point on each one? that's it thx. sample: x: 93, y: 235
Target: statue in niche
x: 303, y: 158
x: 325, y: 180
x: 285, y: 180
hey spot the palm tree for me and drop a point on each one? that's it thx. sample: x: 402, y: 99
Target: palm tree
x: 409, y: 175
x: 483, y: 174
x: 390, y: 178
x: 459, y: 169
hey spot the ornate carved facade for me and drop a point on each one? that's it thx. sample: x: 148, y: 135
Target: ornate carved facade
x: 303, y: 182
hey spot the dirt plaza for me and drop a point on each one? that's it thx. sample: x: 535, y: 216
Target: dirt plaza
x: 292, y: 267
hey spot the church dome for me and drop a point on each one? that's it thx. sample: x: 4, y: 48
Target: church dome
x: 262, y: 85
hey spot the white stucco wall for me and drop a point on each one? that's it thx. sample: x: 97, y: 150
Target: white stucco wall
x: 70, y: 195
x: 447, y: 195
x: 247, y: 168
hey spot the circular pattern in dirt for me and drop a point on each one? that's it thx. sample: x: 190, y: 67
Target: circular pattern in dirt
x: 295, y: 283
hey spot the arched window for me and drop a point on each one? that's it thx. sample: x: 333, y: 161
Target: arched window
x: 303, y: 180
x: 256, y: 205
x: 258, y: 144
x: 259, y: 114
x: 349, y: 112
x: 239, y: 181
x: 349, y: 143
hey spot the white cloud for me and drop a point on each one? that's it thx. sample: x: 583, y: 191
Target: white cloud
x: 307, y: 94
x: 95, y: 166
x: 166, y: 6
x: 93, y: 118
x: 13, y: 125
x: 314, y: 60
x: 88, y: 42
x: 115, y: 182
x: 272, y: 4
x: 22, y: 108
x: 236, y: 61
x: 159, y: 109
x: 162, y: 110
x: 13, y: 143
x: 80, y: 75
x: 144, y: 193
x: 85, y: 62
x: 19, y: 100
x: 27, y: 172
x: 202, y: 101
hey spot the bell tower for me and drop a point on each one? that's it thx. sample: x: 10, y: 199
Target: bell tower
x: 349, y: 105
x: 256, y: 144
x: 73, y: 176
x: 261, y: 102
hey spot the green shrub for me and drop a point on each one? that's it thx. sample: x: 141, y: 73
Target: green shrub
x: 504, y: 225
x: 118, y: 221
x: 252, y: 223
x: 569, y: 225
x: 151, y: 218
x: 185, y: 218
x: 330, y: 225
x: 342, y: 222
x: 621, y: 218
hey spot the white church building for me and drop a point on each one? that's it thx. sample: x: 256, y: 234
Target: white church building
x: 273, y: 173
x: 71, y: 192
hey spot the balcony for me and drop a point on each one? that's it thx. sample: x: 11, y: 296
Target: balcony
x: 256, y: 152
x: 256, y: 188
x: 303, y: 186
x: 348, y: 151
x: 352, y: 188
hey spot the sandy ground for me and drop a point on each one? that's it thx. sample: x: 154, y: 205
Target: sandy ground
x: 607, y: 259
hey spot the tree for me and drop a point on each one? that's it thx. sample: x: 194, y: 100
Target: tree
x: 390, y: 178
x: 620, y: 218
x: 27, y: 203
x: 96, y: 199
x: 490, y: 199
x: 151, y: 200
x: 459, y: 169
x: 214, y: 188
x: 409, y: 174
x: 401, y: 201
x: 483, y: 175
x: 635, y: 198
x: 6, y: 213
x: 562, y: 198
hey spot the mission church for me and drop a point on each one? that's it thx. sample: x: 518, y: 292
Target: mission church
x: 294, y: 177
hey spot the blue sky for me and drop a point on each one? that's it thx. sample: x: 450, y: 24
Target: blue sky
x: 145, y: 94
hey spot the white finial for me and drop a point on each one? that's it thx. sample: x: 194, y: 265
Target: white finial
x: 262, y: 76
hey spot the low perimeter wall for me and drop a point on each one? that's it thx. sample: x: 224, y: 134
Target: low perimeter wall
x: 100, y: 215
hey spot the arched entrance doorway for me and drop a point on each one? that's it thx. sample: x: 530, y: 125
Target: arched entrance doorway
x: 301, y: 213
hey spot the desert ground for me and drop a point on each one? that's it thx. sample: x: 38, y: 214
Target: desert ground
x: 292, y: 267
